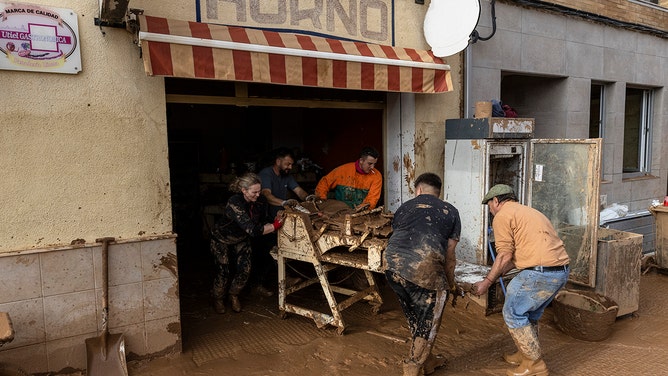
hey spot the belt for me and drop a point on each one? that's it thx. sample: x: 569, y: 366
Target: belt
x: 548, y: 268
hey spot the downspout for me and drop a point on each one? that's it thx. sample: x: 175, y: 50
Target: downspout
x: 467, y: 79
x: 468, y: 59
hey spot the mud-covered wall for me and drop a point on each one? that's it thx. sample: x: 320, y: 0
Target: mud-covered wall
x: 431, y: 110
x: 85, y: 155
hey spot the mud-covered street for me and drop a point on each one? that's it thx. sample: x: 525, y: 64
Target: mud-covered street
x: 258, y: 342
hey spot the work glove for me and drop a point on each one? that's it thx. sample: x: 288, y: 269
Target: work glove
x: 291, y: 203
x: 361, y: 207
x: 278, y: 223
x: 314, y: 199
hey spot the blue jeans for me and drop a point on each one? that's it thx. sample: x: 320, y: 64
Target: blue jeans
x: 529, y: 293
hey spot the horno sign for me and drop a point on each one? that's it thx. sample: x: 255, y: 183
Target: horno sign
x: 367, y: 21
x: 39, y: 39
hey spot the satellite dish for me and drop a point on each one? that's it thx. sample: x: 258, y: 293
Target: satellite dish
x: 449, y: 23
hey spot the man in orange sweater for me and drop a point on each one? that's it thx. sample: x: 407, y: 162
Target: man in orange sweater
x: 358, y: 183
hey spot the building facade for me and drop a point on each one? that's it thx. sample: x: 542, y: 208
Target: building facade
x: 584, y: 69
x: 112, y: 151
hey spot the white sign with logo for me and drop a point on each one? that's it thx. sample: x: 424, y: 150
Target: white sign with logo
x: 39, y: 39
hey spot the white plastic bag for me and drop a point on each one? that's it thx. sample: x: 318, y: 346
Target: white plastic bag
x: 613, y: 211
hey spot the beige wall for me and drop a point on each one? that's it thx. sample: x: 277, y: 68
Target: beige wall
x: 430, y: 110
x: 85, y: 155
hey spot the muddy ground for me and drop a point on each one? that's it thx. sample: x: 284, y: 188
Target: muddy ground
x: 258, y: 342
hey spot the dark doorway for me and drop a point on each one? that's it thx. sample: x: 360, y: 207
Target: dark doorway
x: 210, y: 144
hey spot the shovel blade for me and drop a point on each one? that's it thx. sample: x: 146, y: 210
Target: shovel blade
x: 106, y: 356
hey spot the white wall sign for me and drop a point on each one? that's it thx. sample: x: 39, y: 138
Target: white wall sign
x: 39, y: 39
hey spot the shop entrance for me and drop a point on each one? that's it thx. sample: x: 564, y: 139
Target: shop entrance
x: 218, y: 130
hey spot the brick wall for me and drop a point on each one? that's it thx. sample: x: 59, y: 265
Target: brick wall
x: 622, y: 10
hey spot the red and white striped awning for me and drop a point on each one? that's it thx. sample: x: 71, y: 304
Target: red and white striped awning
x: 207, y: 51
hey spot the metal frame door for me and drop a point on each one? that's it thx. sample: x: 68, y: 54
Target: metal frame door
x: 564, y: 179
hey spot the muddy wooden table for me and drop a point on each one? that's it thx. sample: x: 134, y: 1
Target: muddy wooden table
x: 331, y: 236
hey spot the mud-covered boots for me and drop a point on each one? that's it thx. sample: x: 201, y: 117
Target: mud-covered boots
x: 433, y: 362
x: 516, y: 357
x: 236, y: 304
x: 526, y: 340
x: 219, y: 306
x: 529, y: 367
x: 412, y: 369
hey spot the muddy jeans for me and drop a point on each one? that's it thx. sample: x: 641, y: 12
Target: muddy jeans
x: 223, y: 254
x: 529, y: 293
x: 423, y: 309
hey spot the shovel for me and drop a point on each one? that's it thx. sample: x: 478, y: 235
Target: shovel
x: 105, y: 354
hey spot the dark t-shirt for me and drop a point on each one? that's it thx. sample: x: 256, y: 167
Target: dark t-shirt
x: 279, y: 186
x: 420, y: 231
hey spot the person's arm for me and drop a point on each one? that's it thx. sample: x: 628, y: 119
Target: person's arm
x: 273, y: 200
x: 374, y: 191
x: 269, y: 228
x: 322, y: 189
x: 502, y: 264
x: 450, y: 262
x: 242, y: 217
x: 300, y: 192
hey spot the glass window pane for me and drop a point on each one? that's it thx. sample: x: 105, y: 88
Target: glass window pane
x: 632, y: 126
x: 595, y: 118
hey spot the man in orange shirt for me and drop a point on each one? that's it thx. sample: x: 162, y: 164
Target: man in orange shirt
x: 358, y: 183
x: 525, y: 239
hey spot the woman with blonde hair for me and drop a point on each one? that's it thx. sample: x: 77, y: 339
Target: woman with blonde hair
x: 245, y: 216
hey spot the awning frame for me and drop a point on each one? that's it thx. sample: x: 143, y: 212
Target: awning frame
x: 188, y: 49
x: 201, y: 42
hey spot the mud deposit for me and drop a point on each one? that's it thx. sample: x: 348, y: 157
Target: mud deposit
x: 258, y: 342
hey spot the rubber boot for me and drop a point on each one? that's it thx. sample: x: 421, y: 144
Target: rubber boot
x: 529, y: 367
x: 262, y: 291
x: 219, y: 306
x: 412, y: 369
x: 433, y: 362
x: 516, y: 357
x: 236, y: 304
x: 526, y: 340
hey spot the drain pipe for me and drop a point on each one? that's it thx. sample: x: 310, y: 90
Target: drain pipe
x: 468, y: 52
x: 467, y: 79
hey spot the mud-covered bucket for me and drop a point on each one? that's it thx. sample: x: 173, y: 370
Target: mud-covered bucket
x: 584, y: 315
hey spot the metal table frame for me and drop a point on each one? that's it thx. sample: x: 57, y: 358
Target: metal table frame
x: 326, y: 252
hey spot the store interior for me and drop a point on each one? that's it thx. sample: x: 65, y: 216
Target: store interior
x: 214, y: 136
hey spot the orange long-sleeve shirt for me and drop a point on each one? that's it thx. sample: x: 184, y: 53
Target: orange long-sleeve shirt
x: 350, y: 186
